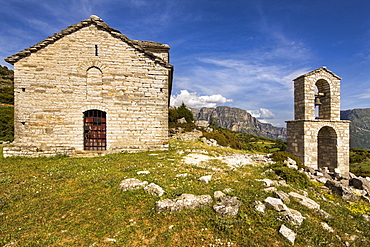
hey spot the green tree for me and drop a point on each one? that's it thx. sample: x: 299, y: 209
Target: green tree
x: 184, y: 112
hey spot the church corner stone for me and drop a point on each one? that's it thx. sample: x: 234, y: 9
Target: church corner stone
x: 317, y: 136
x: 89, y: 90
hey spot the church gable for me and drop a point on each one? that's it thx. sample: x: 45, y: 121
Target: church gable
x: 147, y: 47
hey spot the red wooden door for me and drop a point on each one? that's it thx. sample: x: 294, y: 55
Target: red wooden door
x: 95, y: 134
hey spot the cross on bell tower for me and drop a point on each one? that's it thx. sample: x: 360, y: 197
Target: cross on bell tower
x: 317, y: 136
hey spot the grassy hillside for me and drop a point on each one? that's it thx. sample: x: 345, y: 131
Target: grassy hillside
x: 65, y: 201
x: 6, y: 123
x: 6, y: 85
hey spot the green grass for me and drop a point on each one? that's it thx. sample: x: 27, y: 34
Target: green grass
x: 65, y: 201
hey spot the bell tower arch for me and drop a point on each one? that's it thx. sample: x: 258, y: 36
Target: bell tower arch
x: 317, y: 135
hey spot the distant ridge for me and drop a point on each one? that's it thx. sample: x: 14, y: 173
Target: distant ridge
x: 359, y: 127
x: 238, y: 120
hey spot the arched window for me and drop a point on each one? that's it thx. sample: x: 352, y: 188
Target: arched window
x: 94, y: 84
x: 322, y: 100
x: 327, y: 148
x: 95, y: 137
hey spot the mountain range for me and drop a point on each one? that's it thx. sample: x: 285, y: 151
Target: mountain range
x: 240, y: 120
x: 359, y: 127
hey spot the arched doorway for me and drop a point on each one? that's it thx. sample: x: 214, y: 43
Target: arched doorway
x: 95, y: 137
x: 327, y: 148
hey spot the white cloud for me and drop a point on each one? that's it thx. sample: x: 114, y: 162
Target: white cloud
x: 262, y: 113
x: 193, y: 100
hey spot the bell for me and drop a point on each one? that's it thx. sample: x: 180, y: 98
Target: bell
x: 317, y: 101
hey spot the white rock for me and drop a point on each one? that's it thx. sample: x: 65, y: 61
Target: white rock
x: 154, y: 189
x: 132, y: 184
x: 218, y: 194
x: 260, y: 207
x: 287, y: 233
x: 205, y: 179
x: 182, y: 175
x: 276, y: 204
x: 142, y: 172
x: 327, y: 227
x: 305, y: 201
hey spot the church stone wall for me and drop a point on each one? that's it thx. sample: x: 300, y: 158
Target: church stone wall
x: 89, y: 70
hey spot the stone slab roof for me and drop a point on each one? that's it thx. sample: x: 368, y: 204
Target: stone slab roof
x: 318, y: 71
x: 99, y: 23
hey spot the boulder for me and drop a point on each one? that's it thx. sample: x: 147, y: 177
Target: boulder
x: 275, y: 203
x: 360, y: 183
x: 131, y: 184
x: 228, y: 206
x: 288, y: 234
x: 292, y: 216
x: 327, y: 227
x: 283, y: 196
x: 185, y: 201
x: 305, y: 201
x: 205, y: 179
x: 341, y: 190
x: 154, y: 189
x: 259, y: 206
x: 218, y: 194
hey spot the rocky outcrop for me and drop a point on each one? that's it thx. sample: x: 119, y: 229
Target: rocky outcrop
x: 238, y: 120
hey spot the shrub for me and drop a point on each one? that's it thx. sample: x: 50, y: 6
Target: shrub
x: 280, y: 156
x: 180, y: 112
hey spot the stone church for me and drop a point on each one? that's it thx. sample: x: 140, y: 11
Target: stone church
x: 90, y: 90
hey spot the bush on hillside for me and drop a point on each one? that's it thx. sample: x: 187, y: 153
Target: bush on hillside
x: 280, y: 156
x: 180, y: 112
x: 6, y: 123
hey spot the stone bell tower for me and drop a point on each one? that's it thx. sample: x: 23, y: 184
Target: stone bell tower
x: 317, y: 136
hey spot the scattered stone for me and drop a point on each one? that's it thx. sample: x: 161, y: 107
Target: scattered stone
x: 185, y: 201
x: 276, y: 204
x: 228, y: 206
x: 360, y: 183
x: 218, y: 194
x: 267, y: 182
x: 181, y: 121
x: 341, y: 190
x: 205, y: 179
x: 305, y: 201
x: 142, y: 172
x: 287, y: 233
x: 182, y: 175
x: 270, y: 189
x: 327, y: 227
x: 260, y: 207
x: 132, y: 184
x: 210, y: 142
x: 227, y: 190
x: 110, y: 240
x: 154, y: 189
x: 291, y: 163
x: 283, y: 196
x: 202, y: 123
x: 292, y: 216
x: 323, y: 214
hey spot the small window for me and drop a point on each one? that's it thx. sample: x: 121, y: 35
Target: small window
x: 96, y: 50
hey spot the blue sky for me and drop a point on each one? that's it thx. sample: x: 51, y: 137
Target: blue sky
x: 239, y: 53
